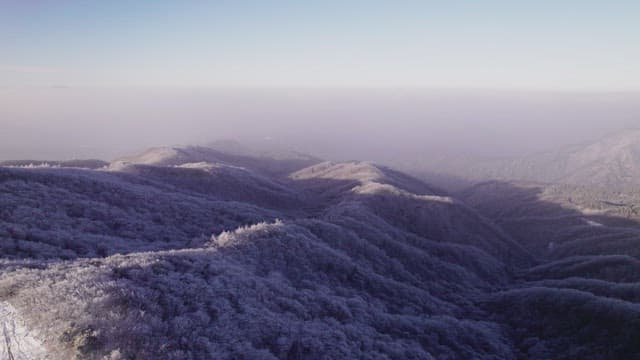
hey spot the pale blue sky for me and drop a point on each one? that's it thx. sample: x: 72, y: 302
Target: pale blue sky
x: 551, y: 45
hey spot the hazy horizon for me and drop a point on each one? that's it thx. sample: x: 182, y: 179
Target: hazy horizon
x: 337, y: 124
x: 341, y: 80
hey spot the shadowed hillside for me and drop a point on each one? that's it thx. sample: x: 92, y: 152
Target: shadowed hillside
x: 553, y: 222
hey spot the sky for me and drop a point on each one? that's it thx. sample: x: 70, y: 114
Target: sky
x: 340, y: 79
x: 551, y: 45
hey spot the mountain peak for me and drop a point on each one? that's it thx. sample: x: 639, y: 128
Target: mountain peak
x: 232, y: 155
x: 362, y: 173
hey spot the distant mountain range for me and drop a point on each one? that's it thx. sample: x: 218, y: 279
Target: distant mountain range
x: 611, y: 162
x: 83, y: 164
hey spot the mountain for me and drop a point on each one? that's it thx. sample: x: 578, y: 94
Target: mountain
x: 270, y: 164
x: 111, y: 249
x: 193, y: 252
x: 407, y: 203
x: 611, y: 162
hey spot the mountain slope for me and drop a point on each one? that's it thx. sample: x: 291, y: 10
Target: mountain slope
x: 357, y: 172
x: 222, y: 182
x: 190, y: 254
x: 407, y: 203
x: 556, y: 221
x: 63, y: 213
x: 333, y: 285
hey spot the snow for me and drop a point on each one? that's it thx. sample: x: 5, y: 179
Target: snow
x: 592, y: 223
x: 18, y: 343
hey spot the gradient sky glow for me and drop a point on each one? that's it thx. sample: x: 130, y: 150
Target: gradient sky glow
x: 372, y: 80
x: 549, y: 45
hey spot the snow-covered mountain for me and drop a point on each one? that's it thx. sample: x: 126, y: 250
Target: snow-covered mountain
x: 197, y: 253
x: 611, y: 162
x: 265, y: 162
